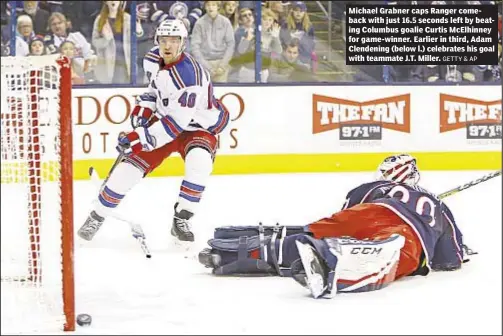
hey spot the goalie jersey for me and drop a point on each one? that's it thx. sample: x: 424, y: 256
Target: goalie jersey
x: 428, y: 216
x: 181, y: 95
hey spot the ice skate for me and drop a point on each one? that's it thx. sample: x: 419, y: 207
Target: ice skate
x: 315, y: 270
x: 181, y: 225
x: 91, y: 226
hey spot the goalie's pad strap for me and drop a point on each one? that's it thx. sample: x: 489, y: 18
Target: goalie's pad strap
x: 263, y: 245
x: 250, y: 231
x: 274, y: 255
x: 244, y: 265
x: 245, y: 244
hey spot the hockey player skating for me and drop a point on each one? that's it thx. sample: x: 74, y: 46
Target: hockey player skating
x: 387, y: 229
x: 178, y: 113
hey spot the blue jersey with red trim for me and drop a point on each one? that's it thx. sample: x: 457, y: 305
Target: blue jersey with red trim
x: 181, y: 94
x: 428, y: 216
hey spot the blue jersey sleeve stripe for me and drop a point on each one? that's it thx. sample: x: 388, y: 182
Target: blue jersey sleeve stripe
x: 212, y: 128
x: 173, y: 78
x: 197, y: 70
x: 178, y: 77
x: 151, y: 60
x: 174, y: 123
x: 223, y: 120
x: 154, y: 55
x: 187, y: 72
x: 168, y: 128
x: 223, y: 124
x: 171, y: 127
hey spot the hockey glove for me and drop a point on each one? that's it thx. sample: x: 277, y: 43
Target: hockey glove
x: 140, y: 116
x: 135, y: 142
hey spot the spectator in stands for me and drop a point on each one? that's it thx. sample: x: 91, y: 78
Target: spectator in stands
x: 4, y: 13
x: 270, y: 44
x: 112, y: 41
x: 395, y: 73
x: 299, y: 26
x: 37, y: 47
x: 58, y: 25
x: 247, y: 4
x: 5, y: 46
x: 51, y: 6
x: 212, y: 42
x: 288, y: 66
x: 21, y: 46
x: 80, y: 15
x: 67, y: 48
x: 246, y: 22
x: 229, y: 10
x: 25, y: 28
x: 39, y: 16
x: 448, y: 73
x: 187, y: 11
x: 280, y: 8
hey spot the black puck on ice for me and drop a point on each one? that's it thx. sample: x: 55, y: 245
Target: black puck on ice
x: 84, y: 320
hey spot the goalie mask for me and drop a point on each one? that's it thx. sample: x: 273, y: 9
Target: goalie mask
x: 399, y: 168
x: 172, y: 27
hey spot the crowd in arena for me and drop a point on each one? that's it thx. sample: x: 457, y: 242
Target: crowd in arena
x: 299, y: 41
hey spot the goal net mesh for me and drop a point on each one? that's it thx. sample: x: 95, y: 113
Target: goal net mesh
x: 31, y: 202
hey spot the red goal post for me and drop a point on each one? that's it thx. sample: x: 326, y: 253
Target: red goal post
x: 36, y: 194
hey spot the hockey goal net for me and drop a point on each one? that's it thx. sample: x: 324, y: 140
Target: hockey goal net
x: 36, y: 195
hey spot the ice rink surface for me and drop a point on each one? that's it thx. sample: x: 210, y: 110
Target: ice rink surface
x: 173, y: 294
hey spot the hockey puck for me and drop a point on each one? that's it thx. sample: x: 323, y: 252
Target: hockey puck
x: 149, y: 256
x: 84, y: 320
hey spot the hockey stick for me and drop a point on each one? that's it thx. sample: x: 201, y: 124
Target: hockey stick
x: 469, y: 184
x: 136, y: 228
x: 465, y: 186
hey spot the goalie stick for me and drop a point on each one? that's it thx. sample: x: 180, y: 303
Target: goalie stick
x: 469, y: 184
x: 136, y: 228
x: 465, y: 186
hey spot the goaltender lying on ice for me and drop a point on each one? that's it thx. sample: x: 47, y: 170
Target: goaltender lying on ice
x: 387, y: 229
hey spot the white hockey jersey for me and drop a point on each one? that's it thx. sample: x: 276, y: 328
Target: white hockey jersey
x: 181, y: 95
x: 151, y: 63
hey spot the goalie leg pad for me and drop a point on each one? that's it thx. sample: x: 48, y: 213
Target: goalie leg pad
x: 346, y: 264
x: 365, y: 265
x: 245, y: 264
x: 259, y: 253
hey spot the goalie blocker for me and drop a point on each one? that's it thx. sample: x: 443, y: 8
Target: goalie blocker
x: 386, y: 230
